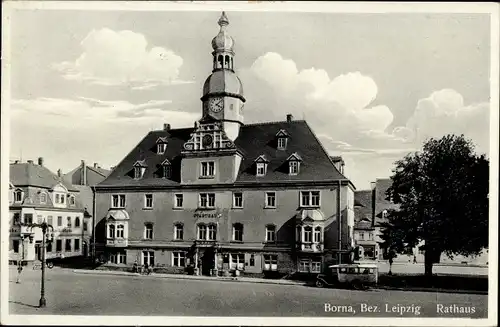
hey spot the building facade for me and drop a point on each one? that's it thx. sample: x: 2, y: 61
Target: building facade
x: 225, y: 195
x: 83, y: 178
x: 37, y: 195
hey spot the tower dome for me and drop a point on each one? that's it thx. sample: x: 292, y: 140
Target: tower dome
x: 223, y: 41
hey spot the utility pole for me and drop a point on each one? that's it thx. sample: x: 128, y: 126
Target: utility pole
x: 44, y: 227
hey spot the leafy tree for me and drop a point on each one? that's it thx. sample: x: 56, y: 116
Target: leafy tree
x: 442, y: 195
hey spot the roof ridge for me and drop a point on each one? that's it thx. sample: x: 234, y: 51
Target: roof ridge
x: 95, y: 170
x: 276, y: 122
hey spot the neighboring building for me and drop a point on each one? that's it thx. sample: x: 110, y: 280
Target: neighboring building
x: 84, y: 178
x: 225, y: 195
x: 365, y: 233
x: 36, y: 195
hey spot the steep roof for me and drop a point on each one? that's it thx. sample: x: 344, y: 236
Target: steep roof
x: 30, y: 174
x: 382, y: 201
x: 94, y: 175
x: 253, y: 141
x: 362, y: 205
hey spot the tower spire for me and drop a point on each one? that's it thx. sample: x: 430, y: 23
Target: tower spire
x: 223, y: 21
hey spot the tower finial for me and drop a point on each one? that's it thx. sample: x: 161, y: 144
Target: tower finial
x: 223, y: 21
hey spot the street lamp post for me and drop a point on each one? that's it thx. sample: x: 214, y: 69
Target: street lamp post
x: 44, y: 227
x: 20, y: 262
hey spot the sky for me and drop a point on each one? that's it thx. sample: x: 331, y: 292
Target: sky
x: 89, y: 85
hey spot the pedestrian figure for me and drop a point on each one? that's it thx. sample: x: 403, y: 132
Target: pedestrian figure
x: 146, y: 268
x: 414, y: 259
x: 135, y: 267
x: 19, y: 270
x: 150, y: 270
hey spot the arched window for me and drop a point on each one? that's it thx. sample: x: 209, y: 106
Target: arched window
x: 317, y: 234
x: 231, y: 64
x: 202, y: 232
x: 111, y: 231
x: 226, y: 63
x: 120, y: 231
x: 77, y: 222
x: 18, y: 196
x: 221, y: 61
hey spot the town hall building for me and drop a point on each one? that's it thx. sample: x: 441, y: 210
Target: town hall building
x: 260, y: 198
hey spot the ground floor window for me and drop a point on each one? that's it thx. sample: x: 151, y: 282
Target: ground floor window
x: 237, y: 261
x: 309, y: 266
x: 67, y: 248
x: 58, y: 245
x: 77, y: 244
x: 179, y: 259
x: 118, y: 258
x: 270, y: 262
x: 148, y: 258
x: 15, y: 246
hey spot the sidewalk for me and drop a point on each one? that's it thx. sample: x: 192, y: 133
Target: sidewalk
x: 192, y: 277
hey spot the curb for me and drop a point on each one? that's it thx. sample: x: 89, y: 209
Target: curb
x: 432, y: 290
x: 221, y: 279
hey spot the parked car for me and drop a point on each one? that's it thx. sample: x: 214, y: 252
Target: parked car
x: 360, y: 276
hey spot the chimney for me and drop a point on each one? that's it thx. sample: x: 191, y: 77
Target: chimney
x: 83, y: 174
x: 40, y: 161
x: 30, y: 162
x: 96, y: 165
x: 166, y: 127
x: 289, y: 118
x: 59, y: 172
x: 16, y: 162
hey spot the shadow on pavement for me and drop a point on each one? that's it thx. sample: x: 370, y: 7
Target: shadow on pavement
x: 24, y: 304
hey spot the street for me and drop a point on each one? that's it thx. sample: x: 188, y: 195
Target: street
x: 69, y: 293
x: 418, y: 268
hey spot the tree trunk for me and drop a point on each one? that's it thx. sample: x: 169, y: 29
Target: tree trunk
x: 429, y: 261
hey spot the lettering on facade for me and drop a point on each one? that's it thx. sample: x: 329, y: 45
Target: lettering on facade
x: 207, y: 215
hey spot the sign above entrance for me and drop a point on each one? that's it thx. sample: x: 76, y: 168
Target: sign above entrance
x: 207, y: 215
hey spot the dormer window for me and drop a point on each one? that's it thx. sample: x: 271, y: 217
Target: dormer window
x: 294, y: 164
x: 261, y: 165
x: 166, y: 168
x: 139, y: 169
x: 18, y: 196
x: 43, y: 198
x: 161, y: 145
x: 282, y: 139
x: 72, y: 200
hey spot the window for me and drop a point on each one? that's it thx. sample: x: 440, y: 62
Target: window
x: 59, y: 198
x: 67, y: 247
x: 118, y: 201
x: 270, y: 262
x: 252, y: 260
x: 28, y: 218
x: 167, y: 171
x: 238, y: 200
x: 179, y: 200
x: 308, y: 234
x: 293, y: 167
x: 58, y: 245
x: 15, y: 246
x: 270, y: 233
x: 178, y: 231
x: 317, y: 234
x: 43, y: 198
x: 178, y: 259
x: 384, y: 214
x: 207, y: 200
x: 59, y: 221
x: 261, y: 168
x: 315, y: 267
x: 361, y: 236
x: 49, y: 247
x: 148, y: 231
x: 72, y: 200
x: 282, y: 143
x: 18, y: 196
x: 68, y: 224
x: 77, y: 244
x: 270, y: 200
x: 304, y: 266
x: 148, y: 201
x: 237, y: 261
x: 111, y: 231
x: 238, y: 232
x: 309, y: 199
x: 85, y: 226
x: 77, y: 222
x: 39, y: 219
x: 16, y: 218
x: 161, y: 148
x: 148, y: 257
x: 212, y: 232
x: 138, y: 172
x: 120, y: 231
x: 202, y: 232
x: 118, y: 258
x: 207, y: 169
x: 49, y: 220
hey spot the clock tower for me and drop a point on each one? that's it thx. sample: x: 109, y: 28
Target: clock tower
x: 223, y: 92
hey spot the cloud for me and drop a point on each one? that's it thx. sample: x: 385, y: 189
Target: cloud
x: 64, y: 131
x: 112, y: 58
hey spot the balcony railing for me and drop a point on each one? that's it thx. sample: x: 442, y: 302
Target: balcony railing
x: 117, y: 242
x: 314, y: 247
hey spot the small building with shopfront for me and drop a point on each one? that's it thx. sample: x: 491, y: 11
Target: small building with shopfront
x: 221, y: 196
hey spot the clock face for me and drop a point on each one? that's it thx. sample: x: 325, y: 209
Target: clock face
x: 207, y: 140
x: 216, y: 104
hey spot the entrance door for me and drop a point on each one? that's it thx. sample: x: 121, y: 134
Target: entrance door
x: 207, y: 261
